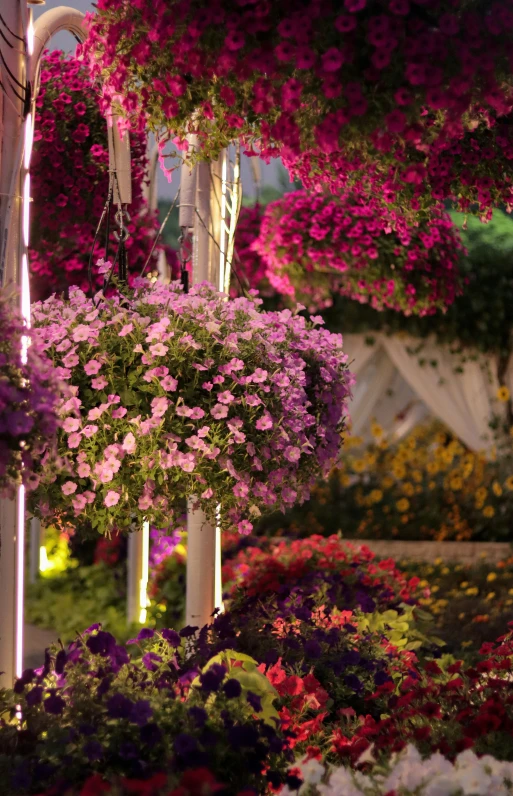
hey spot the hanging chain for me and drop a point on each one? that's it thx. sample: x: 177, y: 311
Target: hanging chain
x: 121, y: 236
x: 185, y: 254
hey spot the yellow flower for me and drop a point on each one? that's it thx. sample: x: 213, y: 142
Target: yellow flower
x: 399, y: 470
x: 488, y: 511
x: 376, y: 496
x: 376, y: 430
x: 417, y: 476
x: 464, y: 584
x: 445, y: 571
x: 432, y: 484
x: 456, y: 483
x: 435, y: 588
x: 497, y: 489
x: 438, y: 561
x: 491, y: 576
x: 503, y: 394
x: 403, y: 505
x: 509, y: 483
x: 481, y: 493
x: 466, y: 643
x: 387, y: 482
x: 358, y: 465
x: 473, y: 591
x: 461, y: 616
x: 408, y: 489
x: 344, y: 479
x: 490, y: 595
x: 432, y: 468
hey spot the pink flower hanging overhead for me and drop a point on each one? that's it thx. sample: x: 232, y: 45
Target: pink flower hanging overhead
x: 356, y: 245
x: 365, y: 83
x: 70, y: 178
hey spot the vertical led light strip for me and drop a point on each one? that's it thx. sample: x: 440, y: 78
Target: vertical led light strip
x: 143, y: 582
x: 25, y: 311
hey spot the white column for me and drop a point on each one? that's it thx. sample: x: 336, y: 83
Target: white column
x: 201, y: 535
x: 15, y: 16
x: 137, y: 575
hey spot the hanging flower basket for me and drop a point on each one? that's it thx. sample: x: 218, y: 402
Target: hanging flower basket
x: 30, y: 392
x: 70, y: 179
x: 179, y: 396
x: 292, y: 78
x: 354, y: 245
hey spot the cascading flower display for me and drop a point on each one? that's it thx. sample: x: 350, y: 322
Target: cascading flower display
x: 353, y: 244
x: 179, y: 395
x: 370, y: 81
x: 30, y: 392
x: 70, y: 178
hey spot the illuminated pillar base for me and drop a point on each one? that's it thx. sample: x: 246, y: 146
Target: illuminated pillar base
x: 137, y: 575
x: 201, y: 546
x: 11, y: 588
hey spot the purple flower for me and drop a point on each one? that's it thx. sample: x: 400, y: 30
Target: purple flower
x: 146, y: 632
x: 34, y: 696
x: 312, y: 649
x: 93, y: 750
x: 232, y: 688
x: 352, y: 682
x: 102, y: 643
x: 255, y: 701
x: 54, y: 704
x: 198, y: 715
x: 141, y: 712
x: 213, y: 677
x: 60, y: 661
x: 148, y: 661
x: 119, y: 707
x: 172, y: 637
x: 150, y: 734
x: 185, y: 744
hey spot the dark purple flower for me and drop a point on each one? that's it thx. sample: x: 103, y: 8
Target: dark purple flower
x: 119, y: 656
x: 54, y: 704
x: 185, y: 744
x: 232, y: 688
x: 93, y: 750
x: 243, y: 735
x: 213, y: 677
x: 104, y: 686
x: 381, y: 677
x: 101, y: 644
x: 187, y: 632
x: 141, y: 712
x: 119, y: 707
x: 60, y: 661
x: 27, y: 676
x: 19, y: 686
x: 172, y: 637
x: 91, y: 629
x: 145, y: 632
x: 352, y: 682
x: 312, y: 649
x: 34, y: 696
x: 350, y: 658
x: 86, y: 729
x: 151, y: 734
x: 255, y: 701
x: 128, y: 750
x: 148, y: 661
x: 198, y: 715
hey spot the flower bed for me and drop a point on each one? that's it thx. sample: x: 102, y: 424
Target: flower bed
x: 70, y: 180
x: 355, y: 245
x: 427, y: 486
x: 320, y: 654
x: 191, y: 396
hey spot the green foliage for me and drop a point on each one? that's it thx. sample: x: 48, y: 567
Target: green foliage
x: 481, y: 319
x: 77, y: 598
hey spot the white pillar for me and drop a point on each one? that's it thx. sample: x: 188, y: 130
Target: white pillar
x: 137, y: 575
x: 201, y: 535
x: 13, y: 112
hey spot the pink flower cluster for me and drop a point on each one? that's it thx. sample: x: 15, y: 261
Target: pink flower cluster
x: 178, y: 396
x: 358, y: 246
x: 29, y: 396
x: 391, y: 78
x: 70, y: 177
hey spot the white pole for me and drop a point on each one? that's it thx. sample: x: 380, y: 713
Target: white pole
x: 195, y: 192
x: 13, y: 233
x: 137, y: 575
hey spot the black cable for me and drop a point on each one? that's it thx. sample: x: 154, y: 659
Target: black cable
x: 20, y: 38
x: 13, y: 77
x: 159, y: 233
x: 96, y: 234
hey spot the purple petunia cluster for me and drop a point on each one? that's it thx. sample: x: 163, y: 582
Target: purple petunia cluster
x: 30, y: 392
x: 177, y: 396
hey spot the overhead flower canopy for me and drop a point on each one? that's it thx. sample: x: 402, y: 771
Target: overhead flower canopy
x: 70, y: 180
x: 419, y: 81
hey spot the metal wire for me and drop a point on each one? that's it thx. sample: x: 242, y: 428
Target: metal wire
x: 161, y: 230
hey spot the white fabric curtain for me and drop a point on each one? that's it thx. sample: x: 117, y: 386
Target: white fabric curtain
x: 464, y: 401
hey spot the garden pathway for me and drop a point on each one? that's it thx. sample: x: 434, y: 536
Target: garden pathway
x: 36, y: 641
